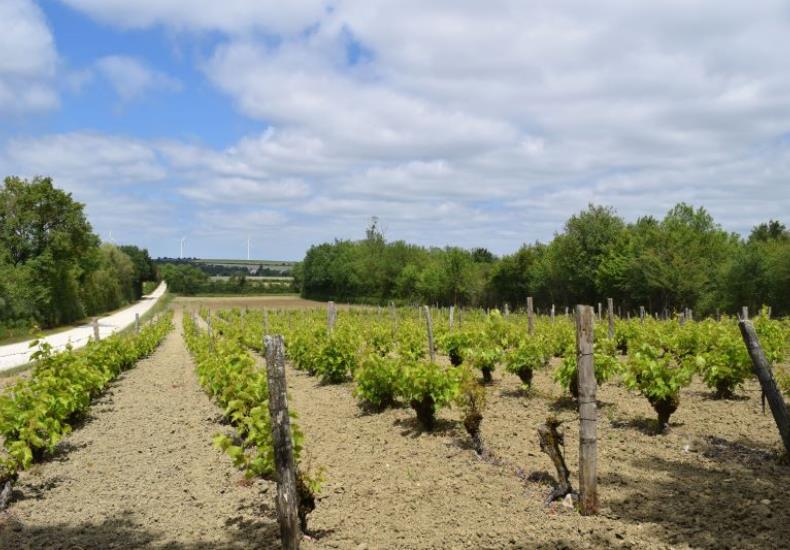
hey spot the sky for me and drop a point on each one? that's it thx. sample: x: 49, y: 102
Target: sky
x: 454, y: 122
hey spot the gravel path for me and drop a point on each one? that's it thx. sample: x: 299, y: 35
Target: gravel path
x: 141, y: 472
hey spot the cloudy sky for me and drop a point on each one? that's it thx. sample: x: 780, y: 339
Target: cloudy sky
x: 455, y: 122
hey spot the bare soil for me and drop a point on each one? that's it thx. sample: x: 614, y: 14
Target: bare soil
x: 193, y: 303
x: 141, y: 472
x: 713, y: 482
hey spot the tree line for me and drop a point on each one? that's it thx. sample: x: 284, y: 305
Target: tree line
x: 53, y: 268
x: 191, y: 279
x: 684, y: 260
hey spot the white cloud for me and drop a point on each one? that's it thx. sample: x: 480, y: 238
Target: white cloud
x: 131, y: 78
x: 27, y: 59
x: 229, y: 15
x: 481, y: 123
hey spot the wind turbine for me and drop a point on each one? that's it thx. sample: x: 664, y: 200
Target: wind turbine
x: 182, y: 247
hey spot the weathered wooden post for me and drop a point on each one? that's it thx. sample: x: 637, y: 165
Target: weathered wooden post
x: 507, y: 310
x: 287, y: 500
x: 430, y: 333
x: 718, y: 315
x: 552, y: 313
x: 641, y: 314
x: 331, y: 316
x: 682, y: 318
x: 600, y: 311
x: 588, y: 414
x: 452, y: 314
x: 566, y: 312
x: 610, y: 315
x: 137, y: 323
x: 530, y: 314
x: 96, y: 335
x: 745, y: 313
x: 762, y: 368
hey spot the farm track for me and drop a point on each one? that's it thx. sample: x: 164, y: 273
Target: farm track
x: 390, y: 486
x: 142, y: 472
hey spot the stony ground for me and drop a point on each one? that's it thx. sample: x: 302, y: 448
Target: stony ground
x: 141, y: 472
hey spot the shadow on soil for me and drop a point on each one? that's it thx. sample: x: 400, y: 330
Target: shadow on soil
x: 122, y: 532
x: 413, y: 428
x: 711, y: 507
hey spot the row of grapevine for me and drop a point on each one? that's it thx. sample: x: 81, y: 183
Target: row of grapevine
x: 37, y: 412
x: 385, y: 351
x: 229, y: 374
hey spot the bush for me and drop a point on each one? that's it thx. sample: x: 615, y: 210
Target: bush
x: 530, y: 354
x: 377, y: 380
x: 454, y: 345
x: 659, y: 378
x: 429, y: 387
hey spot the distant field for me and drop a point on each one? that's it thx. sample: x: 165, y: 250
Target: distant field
x: 255, y: 278
x: 273, y: 264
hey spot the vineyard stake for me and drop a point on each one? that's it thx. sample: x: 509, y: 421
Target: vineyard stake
x: 331, y: 316
x: 552, y: 313
x: 452, y: 312
x: 96, y: 335
x: 137, y: 323
x: 588, y: 482
x: 530, y: 314
x: 745, y: 313
x: 610, y: 314
x: 507, y: 310
x: 762, y: 368
x: 430, y: 333
x: 600, y: 311
x: 642, y: 314
x: 287, y: 500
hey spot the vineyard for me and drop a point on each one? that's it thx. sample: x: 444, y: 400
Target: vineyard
x: 411, y: 428
x: 386, y: 359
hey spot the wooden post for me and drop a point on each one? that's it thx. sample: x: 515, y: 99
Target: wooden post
x: 96, y: 335
x: 331, y: 316
x: 552, y: 313
x: 768, y: 312
x: 430, y: 333
x: 610, y: 314
x: 600, y: 310
x: 641, y: 314
x: 507, y: 310
x: 718, y: 315
x: 287, y: 500
x: 588, y: 482
x: 682, y: 318
x: 137, y: 323
x: 452, y: 313
x: 745, y: 313
x: 530, y: 320
x: 762, y: 368
x: 566, y: 312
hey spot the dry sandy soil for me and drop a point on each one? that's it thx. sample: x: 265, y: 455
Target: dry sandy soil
x: 141, y: 472
x: 712, y: 482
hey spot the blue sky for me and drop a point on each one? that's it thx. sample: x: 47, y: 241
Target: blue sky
x: 468, y: 123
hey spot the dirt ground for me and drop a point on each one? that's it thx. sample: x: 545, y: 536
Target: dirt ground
x: 712, y: 482
x: 141, y: 472
x: 193, y: 303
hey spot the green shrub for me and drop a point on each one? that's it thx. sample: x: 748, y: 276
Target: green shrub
x: 377, y: 381
x: 429, y: 387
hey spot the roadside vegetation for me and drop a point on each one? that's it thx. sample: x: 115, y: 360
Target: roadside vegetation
x: 54, y: 269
